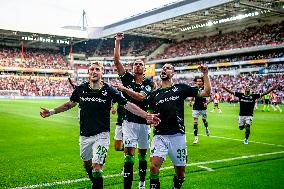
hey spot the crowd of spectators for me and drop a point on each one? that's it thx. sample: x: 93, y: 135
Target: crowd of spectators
x: 48, y: 86
x: 36, y: 86
x: 234, y: 58
x: 258, y: 83
x: 251, y: 36
x: 33, y: 58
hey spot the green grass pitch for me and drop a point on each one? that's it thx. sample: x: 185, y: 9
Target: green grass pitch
x: 36, y: 152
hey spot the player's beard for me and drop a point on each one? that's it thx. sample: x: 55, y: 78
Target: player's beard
x: 138, y: 71
x: 247, y: 92
x: 165, y: 77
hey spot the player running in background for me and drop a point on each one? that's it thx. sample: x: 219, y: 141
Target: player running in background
x: 199, y: 109
x: 215, y: 98
x: 247, y: 102
x: 169, y: 135
x: 275, y: 102
x: 95, y: 98
x: 135, y: 130
x: 266, y: 103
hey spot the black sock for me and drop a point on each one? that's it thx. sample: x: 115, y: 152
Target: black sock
x: 142, y: 169
x: 154, y: 183
x: 89, y: 171
x: 128, y: 175
x: 247, y: 133
x: 195, y: 129
x: 98, y: 180
x: 178, y: 182
x: 205, y: 124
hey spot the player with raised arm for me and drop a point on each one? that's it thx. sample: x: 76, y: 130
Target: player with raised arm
x: 169, y: 135
x: 135, y: 88
x: 247, y: 102
x: 95, y: 98
x: 199, y: 109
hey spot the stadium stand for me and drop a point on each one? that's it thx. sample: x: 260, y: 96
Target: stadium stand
x: 33, y: 58
x: 251, y: 36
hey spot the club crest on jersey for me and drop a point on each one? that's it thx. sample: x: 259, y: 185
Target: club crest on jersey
x: 148, y: 88
x: 175, y: 89
x: 104, y: 93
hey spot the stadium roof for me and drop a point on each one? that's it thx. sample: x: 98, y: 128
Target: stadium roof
x: 41, y: 37
x: 194, y: 17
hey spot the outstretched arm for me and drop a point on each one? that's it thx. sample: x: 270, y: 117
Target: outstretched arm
x: 62, y: 108
x: 226, y: 89
x: 151, y: 118
x: 207, y: 84
x: 269, y: 90
x: 136, y: 95
x: 117, y: 63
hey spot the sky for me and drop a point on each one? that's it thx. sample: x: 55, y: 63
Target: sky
x: 59, y: 13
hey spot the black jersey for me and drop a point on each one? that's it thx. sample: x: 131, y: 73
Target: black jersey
x: 145, y: 87
x: 247, y: 103
x: 120, y: 115
x: 169, y: 103
x: 95, y: 107
x: 199, y: 102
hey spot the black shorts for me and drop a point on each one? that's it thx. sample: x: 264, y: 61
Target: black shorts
x: 266, y: 101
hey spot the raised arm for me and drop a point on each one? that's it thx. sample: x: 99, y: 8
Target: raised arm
x: 62, y: 108
x: 207, y: 85
x: 117, y: 63
x: 226, y: 89
x: 269, y: 90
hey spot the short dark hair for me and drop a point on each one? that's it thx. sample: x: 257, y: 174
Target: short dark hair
x: 198, y: 77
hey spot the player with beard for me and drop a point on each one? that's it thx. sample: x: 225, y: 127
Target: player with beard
x: 135, y: 130
x: 199, y: 109
x: 95, y: 98
x: 247, y: 102
x: 169, y: 135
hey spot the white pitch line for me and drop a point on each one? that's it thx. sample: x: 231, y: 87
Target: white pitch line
x: 163, y: 168
x: 206, y: 168
x: 250, y: 141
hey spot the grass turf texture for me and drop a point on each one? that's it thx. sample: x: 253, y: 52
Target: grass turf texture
x: 35, y: 151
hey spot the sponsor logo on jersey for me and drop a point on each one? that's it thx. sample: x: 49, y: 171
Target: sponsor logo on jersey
x: 172, y: 98
x: 93, y: 99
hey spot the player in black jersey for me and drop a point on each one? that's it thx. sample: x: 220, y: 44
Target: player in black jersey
x: 118, y: 136
x: 247, y: 102
x: 199, y: 109
x: 136, y: 131
x: 169, y: 135
x: 95, y: 98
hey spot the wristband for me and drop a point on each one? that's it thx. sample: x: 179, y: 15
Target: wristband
x: 51, y: 111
